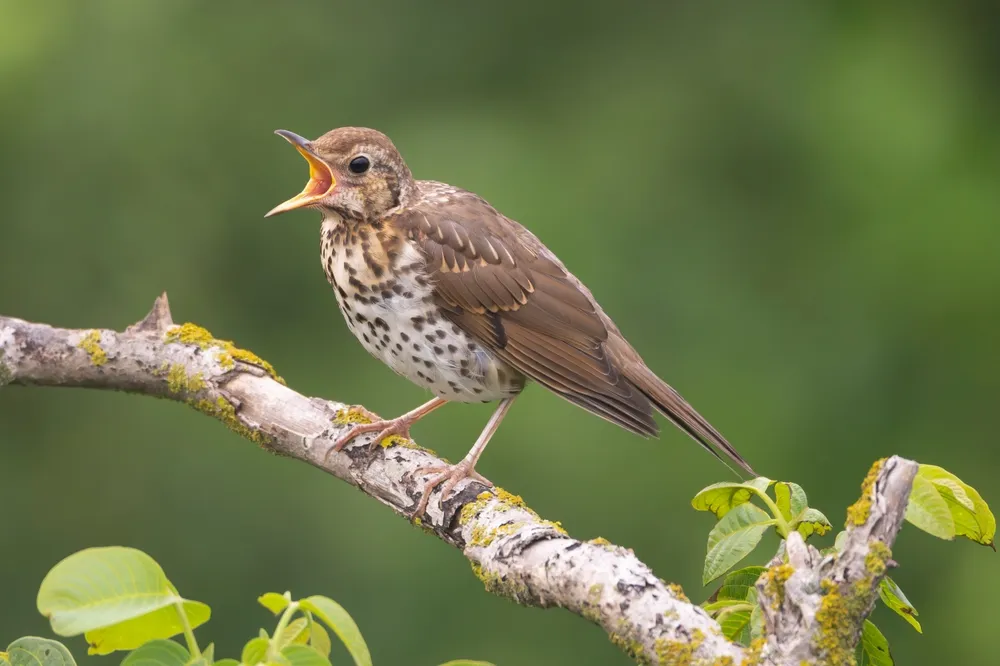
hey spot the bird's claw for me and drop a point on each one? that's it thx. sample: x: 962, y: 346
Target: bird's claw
x: 450, y: 476
x: 399, y: 426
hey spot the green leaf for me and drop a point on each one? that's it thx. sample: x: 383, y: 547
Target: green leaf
x: 297, y: 631
x: 208, y: 654
x: 811, y: 521
x: 119, y: 598
x: 873, y: 649
x: 319, y: 639
x: 790, y: 498
x: 467, y: 662
x: 160, y: 652
x: 34, y: 651
x: 335, y: 617
x: 133, y: 633
x: 735, y: 626
x: 255, y: 651
x: 756, y: 623
x: 713, y: 607
x: 303, y: 655
x: 928, y: 510
x: 894, y: 598
x: 972, y: 516
x: 721, y: 498
x: 273, y: 602
x: 733, y: 538
x: 227, y: 662
x: 740, y: 584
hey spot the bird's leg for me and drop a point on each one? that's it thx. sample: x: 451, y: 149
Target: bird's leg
x: 397, y: 426
x: 450, y: 475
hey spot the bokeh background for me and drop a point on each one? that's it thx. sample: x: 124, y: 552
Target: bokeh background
x: 792, y: 210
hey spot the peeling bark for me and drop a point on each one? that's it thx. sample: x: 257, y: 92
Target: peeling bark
x: 514, y: 552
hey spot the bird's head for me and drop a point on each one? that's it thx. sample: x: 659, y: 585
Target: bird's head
x: 355, y: 173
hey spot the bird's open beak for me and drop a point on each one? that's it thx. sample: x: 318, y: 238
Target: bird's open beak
x: 321, y: 179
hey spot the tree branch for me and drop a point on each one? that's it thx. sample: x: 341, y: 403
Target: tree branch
x: 512, y: 550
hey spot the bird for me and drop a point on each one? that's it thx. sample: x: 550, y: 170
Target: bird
x: 467, y: 303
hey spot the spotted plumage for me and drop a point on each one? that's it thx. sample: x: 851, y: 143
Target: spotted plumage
x: 373, y: 272
x: 467, y: 303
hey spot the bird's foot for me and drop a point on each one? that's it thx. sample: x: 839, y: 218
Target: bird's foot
x: 449, y: 475
x: 385, y: 428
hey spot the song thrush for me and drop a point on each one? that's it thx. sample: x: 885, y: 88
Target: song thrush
x: 465, y: 302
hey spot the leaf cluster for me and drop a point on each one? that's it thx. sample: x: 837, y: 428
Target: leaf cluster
x: 120, y: 599
x: 940, y: 503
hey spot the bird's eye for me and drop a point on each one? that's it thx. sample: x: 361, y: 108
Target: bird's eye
x: 359, y: 164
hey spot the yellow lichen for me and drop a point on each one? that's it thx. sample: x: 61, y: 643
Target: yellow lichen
x: 350, y: 417
x: 754, y: 652
x: 470, y: 510
x: 857, y: 513
x: 592, y: 605
x: 225, y: 360
x: 497, y: 585
x: 191, y: 334
x: 632, y: 647
x: 479, y: 536
x: 227, y: 354
x: 842, y: 609
x: 555, y: 525
x: 681, y: 653
x: 483, y: 537
x: 876, y: 561
x: 505, y: 501
x: 224, y: 411
x: 509, y: 498
x: 836, y: 631
x: 178, y: 380
x: 678, y: 592
x: 398, y: 440
x: 91, y: 343
x: 774, y: 583
x: 600, y: 541
x: 626, y: 638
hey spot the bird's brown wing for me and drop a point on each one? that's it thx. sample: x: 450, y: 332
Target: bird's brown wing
x: 498, y: 283
x: 523, y: 306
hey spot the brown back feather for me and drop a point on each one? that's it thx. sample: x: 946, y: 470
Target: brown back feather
x: 498, y: 283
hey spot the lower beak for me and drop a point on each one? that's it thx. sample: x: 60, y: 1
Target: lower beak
x: 321, y: 180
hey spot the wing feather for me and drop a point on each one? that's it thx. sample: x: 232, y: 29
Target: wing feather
x: 524, y: 307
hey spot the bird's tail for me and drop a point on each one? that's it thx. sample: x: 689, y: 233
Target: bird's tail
x: 670, y: 403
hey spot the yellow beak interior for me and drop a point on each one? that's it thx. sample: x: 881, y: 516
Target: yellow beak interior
x: 321, y: 182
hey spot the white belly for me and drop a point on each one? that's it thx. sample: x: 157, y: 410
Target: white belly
x: 398, y: 323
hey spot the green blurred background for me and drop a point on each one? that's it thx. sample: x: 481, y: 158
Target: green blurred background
x: 793, y: 211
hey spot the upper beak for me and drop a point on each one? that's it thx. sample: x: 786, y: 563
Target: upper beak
x: 321, y: 179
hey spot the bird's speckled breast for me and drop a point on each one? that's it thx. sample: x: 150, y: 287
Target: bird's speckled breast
x: 387, y: 301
